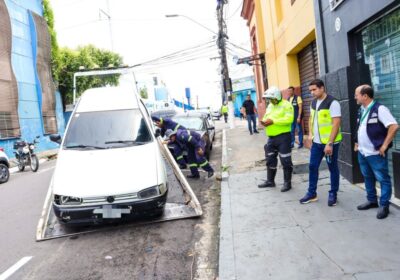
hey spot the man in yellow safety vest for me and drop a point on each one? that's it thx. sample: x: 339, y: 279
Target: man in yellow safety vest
x: 325, y: 133
x: 278, y: 120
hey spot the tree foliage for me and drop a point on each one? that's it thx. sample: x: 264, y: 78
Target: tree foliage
x: 65, y: 62
x: 144, y: 93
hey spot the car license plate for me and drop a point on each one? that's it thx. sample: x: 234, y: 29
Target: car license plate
x: 111, y: 213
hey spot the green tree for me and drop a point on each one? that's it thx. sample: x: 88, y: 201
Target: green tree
x: 144, y: 93
x: 65, y: 62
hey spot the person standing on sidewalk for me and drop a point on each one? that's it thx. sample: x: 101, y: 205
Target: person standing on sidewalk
x: 376, y: 130
x: 250, y: 113
x: 277, y: 121
x: 224, y: 111
x: 297, y: 104
x: 326, y: 136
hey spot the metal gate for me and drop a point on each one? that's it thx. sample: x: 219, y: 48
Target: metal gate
x: 308, y: 70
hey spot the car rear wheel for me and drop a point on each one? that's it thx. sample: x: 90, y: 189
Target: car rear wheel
x: 4, y: 173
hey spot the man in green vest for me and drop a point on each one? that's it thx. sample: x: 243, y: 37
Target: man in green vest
x: 224, y: 111
x: 325, y: 133
x: 278, y: 120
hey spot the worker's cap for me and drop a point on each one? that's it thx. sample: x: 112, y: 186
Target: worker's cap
x: 169, y: 133
x: 273, y: 93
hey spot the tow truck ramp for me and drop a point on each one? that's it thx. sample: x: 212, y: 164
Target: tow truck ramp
x: 182, y: 203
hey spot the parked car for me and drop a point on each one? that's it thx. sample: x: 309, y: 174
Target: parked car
x: 165, y: 113
x: 109, y: 166
x: 216, y: 115
x: 4, y: 166
x: 199, y: 123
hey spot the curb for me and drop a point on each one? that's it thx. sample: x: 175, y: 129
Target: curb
x: 15, y: 169
x: 226, y: 263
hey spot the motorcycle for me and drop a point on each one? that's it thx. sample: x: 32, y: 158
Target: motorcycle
x: 25, y: 154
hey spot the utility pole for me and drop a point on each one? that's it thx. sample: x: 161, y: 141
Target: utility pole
x: 108, y: 15
x: 226, y: 80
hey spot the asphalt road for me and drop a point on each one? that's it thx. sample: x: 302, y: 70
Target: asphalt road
x: 169, y: 250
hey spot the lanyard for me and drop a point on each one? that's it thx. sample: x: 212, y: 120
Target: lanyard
x: 366, y: 112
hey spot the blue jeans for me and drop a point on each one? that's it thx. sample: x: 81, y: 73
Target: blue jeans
x: 317, y: 154
x: 300, y: 130
x: 375, y: 168
x: 252, y: 119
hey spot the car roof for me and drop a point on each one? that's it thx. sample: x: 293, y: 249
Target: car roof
x: 166, y: 113
x: 107, y: 99
x: 192, y: 114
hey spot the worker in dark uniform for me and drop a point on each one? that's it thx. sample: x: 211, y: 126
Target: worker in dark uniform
x: 166, y: 124
x: 196, y: 150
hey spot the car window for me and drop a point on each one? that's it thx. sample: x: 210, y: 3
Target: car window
x: 107, y: 129
x: 194, y: 123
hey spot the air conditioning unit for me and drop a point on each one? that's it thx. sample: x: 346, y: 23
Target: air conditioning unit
x: 335, y: 3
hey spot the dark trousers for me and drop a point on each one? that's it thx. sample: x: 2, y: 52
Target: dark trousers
x: 279, y: 145
x: 226, y: 117
x: 316, y: 156
x: 252, y: 119
x: 177, y: 152
x: 375, y: 168
x: 195, y: 161
x: 300, y: 132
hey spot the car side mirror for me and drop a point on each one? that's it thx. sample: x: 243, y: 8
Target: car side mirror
x: 157, y: 133
x: 55, y: 138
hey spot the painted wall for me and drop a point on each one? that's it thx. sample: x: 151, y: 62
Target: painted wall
x: 288, y: 29
x: 24, y: 68
x: 338, y: 64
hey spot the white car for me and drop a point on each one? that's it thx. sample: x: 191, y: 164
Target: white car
x: 4, y: 165
x: 109, y: 164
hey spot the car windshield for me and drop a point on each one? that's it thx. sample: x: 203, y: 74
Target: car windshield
x: 107, y: 129
x: 194, y: 123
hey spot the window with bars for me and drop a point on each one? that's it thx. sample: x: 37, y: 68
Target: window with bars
x: 43, y: 65
x: 9, y: 121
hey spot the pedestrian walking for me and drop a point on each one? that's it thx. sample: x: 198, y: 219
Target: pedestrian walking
x: 297, y: 104
x: 326, y: 136
x: 195, y: 146
x: 250, y: 111
x: 277, y: 121
x: 376, y: 130
x: 164, y: 125
x: 224, y: 111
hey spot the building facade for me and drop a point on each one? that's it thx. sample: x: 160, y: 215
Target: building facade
x: 356, y: 48
x: 29, y: 103
x: 289, y: 44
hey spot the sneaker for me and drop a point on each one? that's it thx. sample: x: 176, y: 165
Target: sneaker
x: 251, y: 133
x: 308, y: 198
x: 256, y: 131
x: 332, y: 200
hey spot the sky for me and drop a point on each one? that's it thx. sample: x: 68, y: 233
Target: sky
x: 140, y: 32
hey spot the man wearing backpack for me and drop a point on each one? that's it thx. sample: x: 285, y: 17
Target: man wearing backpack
x: 376, y: 130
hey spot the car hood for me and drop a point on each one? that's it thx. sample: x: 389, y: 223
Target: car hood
x: 82, y: 173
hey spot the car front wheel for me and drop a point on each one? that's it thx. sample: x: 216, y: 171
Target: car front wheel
x: 4, y: 173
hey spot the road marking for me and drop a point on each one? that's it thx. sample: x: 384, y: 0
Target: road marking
x: 14, y: 268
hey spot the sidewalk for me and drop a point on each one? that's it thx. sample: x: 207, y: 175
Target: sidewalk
x: 266, y: 234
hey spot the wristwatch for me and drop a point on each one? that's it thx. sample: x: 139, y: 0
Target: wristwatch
x: 330, y: 144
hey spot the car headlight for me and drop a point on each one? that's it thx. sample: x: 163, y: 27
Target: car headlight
x: 67, y: 200
x: 150, y: 192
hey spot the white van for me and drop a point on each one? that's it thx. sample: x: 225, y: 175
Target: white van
x: 109, y: 164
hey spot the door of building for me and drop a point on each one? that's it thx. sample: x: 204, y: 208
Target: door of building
x: 380, y: 43
x: 309, y: 70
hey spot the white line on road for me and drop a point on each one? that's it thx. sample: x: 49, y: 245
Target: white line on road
x: 14, y: 268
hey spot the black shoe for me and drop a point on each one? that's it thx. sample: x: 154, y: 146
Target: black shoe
x: 267, y: 184
x: 192, y: 176
x: 383, y: 212
x: 210, y: 174
x: 251, y: 133
x: 367, y: 205
x: 286, y: 186
x: 256, y: 131
x: 182, y: 166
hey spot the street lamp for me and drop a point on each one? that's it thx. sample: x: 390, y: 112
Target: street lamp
x: 192, y: 20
